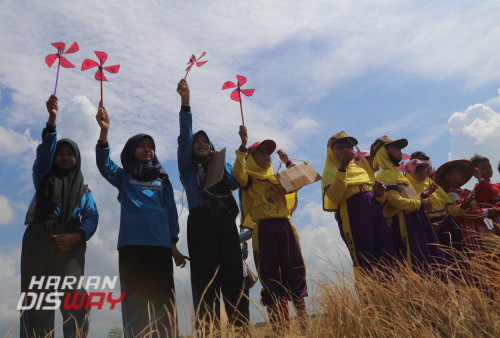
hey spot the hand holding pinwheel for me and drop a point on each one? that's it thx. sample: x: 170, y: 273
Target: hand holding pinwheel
x: 235, y: 95
x: 51, y: 58
x: 99, y: 75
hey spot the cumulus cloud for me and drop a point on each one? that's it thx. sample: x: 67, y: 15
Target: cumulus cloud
x: 6, y: 212
x: 13, y: 143
x: 475, y: 130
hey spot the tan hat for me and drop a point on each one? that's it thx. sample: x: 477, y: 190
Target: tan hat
x: 341, y: 136
x: 385, y: 141
x: 466, y: 165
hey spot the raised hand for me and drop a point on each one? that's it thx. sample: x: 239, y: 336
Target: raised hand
x: 347, y: 157
x: 103, y: 120
x: 184, y: 91
x: 476, y: 173
x: 283, y: 156
x: 52, y: 108
x: 102, y: 117
x: 243, y: 135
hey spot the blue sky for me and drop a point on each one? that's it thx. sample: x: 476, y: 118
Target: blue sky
x: 425, y: 70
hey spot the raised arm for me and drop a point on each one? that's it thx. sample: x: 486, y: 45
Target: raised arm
x: 108, y: 169
x: 45, y: 150
x: 185, y: 139
x: 239, y: 170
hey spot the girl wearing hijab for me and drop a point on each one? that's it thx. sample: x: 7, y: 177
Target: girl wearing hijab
x: 413, y: 233
x: 356, y: 200
x: 61, y: 218
x: 212, y: 234
x: 149, y: 230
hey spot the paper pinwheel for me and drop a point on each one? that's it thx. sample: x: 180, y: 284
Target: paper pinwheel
x: 235, y: 95
x: 195, y: 61
x: 99, y: 75
x: 51, y: 58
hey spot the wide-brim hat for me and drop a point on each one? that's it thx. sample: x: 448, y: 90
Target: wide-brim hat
x: 387, y: 141
x: 341, y: 136
x: 465, y: 164
x: 269, y: 145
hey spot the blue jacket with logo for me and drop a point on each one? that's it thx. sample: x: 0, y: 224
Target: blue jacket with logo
x: 148, y: 212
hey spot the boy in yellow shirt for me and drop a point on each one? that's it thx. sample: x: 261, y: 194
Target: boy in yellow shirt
x: 278, y: 256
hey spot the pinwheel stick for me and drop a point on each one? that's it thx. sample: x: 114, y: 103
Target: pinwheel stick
x: 58, y: 67
x: 100, y: 67
x: 187, y: 72
x: 241, y: 106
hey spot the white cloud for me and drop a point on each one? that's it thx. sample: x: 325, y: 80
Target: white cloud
x: 13, y: 143
x: 320, y: 239
x: 9, y: 289
x: 6, y: 212
x: 475, y: 130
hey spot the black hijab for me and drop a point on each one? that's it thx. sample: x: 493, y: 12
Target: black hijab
x: 201, y: 164
x: 141, y: 171
x: 219, y: 192
x: 60, y: 187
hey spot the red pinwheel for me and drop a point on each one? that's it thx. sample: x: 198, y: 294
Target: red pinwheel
x: 192, y: 61
x: 99, y: 75
x: 235, y: 95
x: 51, y: 58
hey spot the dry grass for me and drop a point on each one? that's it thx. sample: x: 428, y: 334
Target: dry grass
x: 451, y: 302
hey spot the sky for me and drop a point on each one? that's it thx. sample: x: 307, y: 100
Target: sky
x: 427, y: 71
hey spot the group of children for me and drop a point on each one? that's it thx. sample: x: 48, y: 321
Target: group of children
x: 390, y: 213
x: 384, y: 216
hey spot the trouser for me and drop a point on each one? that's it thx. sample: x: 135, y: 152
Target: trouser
x: 365, y: 231
x: 40, y: 258
x: 423, y: 243
x: 279, y: 261
x: 216, y: 265
x: 146, y: 279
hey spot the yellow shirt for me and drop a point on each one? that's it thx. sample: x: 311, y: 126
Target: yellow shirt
x: 262, y: 196
x: 442, y: 204
x: 338, y: 186
x: 389, y: 174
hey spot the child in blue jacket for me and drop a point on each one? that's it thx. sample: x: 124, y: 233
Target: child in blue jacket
x: 62, y: 217
x: 148, y: 234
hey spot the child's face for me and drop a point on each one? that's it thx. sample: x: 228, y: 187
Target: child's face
x: 456, y: 177
x: 65, y: 158
x: 421, y: 173
x: 201, y: 146
x: 339, y: 147
x: 395, y: 152
x: 485, y: 169
x: 262, y: 157
x: 144, y: 152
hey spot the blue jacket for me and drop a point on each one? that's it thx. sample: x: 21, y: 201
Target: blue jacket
x: 86, y: 210
x: 148, y: 212
x: 187, y: 169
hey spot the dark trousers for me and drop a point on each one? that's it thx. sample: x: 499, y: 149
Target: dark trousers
x: 216, y: 265
x: 279, y: 261
x: 40, y: 257
x: 146, y: 278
